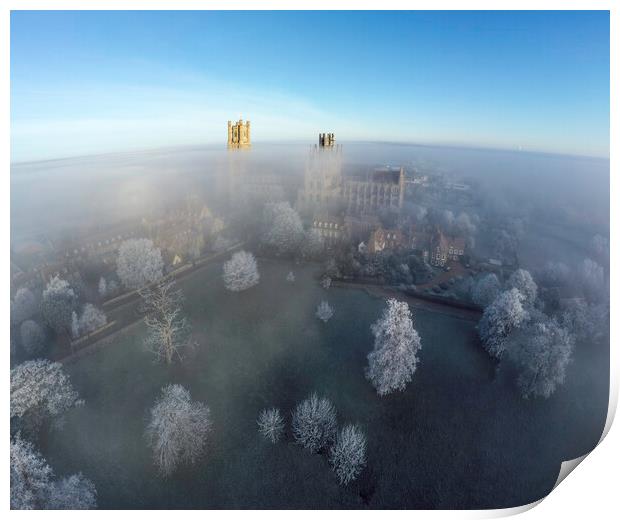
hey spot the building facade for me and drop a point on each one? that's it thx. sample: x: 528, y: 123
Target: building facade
x: 385, y: 240
x: 445, y: 249
x: 331, y: 228
x: 383, y: 188
x: 362, y: 193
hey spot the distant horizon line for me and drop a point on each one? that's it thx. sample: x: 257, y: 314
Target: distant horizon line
x: 295, y: 141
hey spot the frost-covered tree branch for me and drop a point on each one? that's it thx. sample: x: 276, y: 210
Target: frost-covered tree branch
x: 168, y: 330
x: 33, y: 485
x: 314, y: 423
x: 271, y: 424
x: 324, y: 311
x: 240, y: 272
x: 500, y: 319
x: 41, y: 389
x: 139, y: 263
x: 178, y: 428
x: 348, y: 454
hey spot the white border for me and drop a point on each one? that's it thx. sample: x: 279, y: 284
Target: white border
x: 589, y: 491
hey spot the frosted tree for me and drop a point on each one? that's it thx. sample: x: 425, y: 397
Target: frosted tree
x: 283, y: 230
x: 168, y: 330
x: 312, y: 244
x: 73, y: 492
x: 447, y: 220
x: 592, y: 277
x: 33, y: 487
x: 541, y: 351
x: 290, y: 277
x: 585, y: 321
x: 348, y: 454
x: 178, y: 428
x: 24, y: 305
x: 75, y: 325
x: 58, y: 303
x: 463, y: 225
x: 394, y: 358
x: 32, y: 337
x: 40, y: 390
x: 139, y: 263
x: 91, y: 319
x: 103, y: 287
x: 31, y: 477
x: 112, y: 288
x: 555, y: 273
x: 500, y: 319
x: 485, y: 290
x: 314, y: 423
x: 271, y: 424
x: 599, y: 245
x: 522, y: 281
x: 326, y: 282
x: 240, y: 272
x: 324, y: 311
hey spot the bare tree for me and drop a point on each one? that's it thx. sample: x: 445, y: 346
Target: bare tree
x: 314, y: 423
x: 240, y: 272
x: 178, y: 428
x: 168, y: 329
x: 271, y: 424
x: 324, y: 311
x: 348, y: 454
x: 394, y: 359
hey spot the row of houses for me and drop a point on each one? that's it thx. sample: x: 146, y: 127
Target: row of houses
x: 180, y: 233
x: 436, y: 247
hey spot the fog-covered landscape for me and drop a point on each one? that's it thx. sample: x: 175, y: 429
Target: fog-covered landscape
x: 322, y: 322
x: 264, y: 347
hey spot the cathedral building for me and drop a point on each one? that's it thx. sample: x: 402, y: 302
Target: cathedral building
x: 368, y: 193
x: 326, y: 188
x: 239, y: 134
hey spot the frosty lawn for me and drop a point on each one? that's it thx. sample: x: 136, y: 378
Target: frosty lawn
x: 458, y: 436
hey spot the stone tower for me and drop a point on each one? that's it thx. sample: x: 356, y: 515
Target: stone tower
x: 239, y: 134
x: 326, y: 140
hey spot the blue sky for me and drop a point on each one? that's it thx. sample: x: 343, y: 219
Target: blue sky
x: 102, y: 81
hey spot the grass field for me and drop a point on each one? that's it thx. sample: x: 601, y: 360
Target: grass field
x: 459, y: 436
